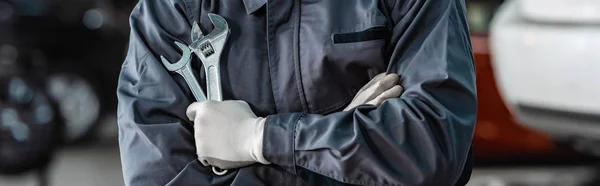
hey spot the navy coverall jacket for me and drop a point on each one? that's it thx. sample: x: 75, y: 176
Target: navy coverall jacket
x: 299, y: 63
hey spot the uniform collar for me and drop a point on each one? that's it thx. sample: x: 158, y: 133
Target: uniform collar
x: 253, y: 5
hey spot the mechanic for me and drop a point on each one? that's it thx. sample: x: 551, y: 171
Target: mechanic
x: 304, y: 104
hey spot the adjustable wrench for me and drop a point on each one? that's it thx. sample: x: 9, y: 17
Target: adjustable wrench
x: 184, y: 68
x: 209, y: 48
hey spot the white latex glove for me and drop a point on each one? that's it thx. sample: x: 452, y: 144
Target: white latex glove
x: 228, y: 134
x: 380, y: 88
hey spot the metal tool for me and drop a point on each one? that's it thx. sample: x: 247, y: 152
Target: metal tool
x: 184, y: 68
x: 209, y: 48
x: 204, y: 47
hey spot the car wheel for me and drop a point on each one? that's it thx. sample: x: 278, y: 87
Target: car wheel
x: 79, y: 103
x: 29, y: 128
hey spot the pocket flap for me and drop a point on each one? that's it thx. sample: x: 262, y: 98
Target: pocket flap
x: 374, y: 33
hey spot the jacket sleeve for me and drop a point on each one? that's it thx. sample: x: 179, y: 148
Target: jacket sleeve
x: 421, y: 138
x: 155, y: 138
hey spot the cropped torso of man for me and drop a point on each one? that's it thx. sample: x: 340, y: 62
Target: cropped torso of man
x: 298, y: 64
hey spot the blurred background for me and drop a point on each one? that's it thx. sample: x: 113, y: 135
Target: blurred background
x: 538, y: 82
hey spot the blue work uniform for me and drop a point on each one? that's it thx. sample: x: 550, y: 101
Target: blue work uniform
x: 299, y: 63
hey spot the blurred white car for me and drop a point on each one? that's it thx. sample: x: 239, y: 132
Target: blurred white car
x: 547, y: 65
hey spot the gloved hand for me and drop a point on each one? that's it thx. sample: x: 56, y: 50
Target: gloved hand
x: 380, y: 88
x: 228, y: 134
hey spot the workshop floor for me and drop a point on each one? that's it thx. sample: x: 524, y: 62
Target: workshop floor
x: 100, y: 166
x: 96, y: 166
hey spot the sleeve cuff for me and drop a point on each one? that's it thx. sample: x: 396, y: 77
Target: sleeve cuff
x: 278, y: 141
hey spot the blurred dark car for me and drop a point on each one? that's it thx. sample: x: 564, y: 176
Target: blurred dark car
x: 77, y: 47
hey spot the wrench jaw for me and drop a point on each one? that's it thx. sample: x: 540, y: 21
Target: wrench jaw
x: 186, y: 57
x: 219, y: 23
x: 183, y: 67
x: 196, y: 32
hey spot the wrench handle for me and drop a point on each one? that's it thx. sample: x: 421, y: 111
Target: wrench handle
x: 213, y: 82
x: 192, y: 82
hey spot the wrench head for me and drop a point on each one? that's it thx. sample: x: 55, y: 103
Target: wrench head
x: 186, y: 57
x: 217, y: 37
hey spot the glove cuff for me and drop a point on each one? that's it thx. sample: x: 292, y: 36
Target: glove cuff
x: 257, y: 141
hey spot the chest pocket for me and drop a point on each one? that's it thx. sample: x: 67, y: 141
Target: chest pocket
x: 341, y: 47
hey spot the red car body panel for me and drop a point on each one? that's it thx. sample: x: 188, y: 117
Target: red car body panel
x: 497, y: 135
